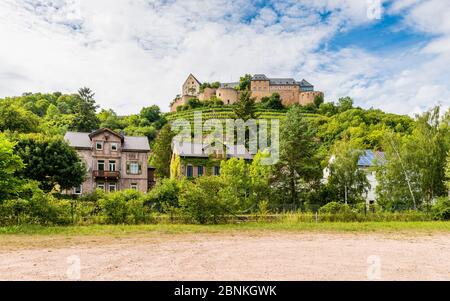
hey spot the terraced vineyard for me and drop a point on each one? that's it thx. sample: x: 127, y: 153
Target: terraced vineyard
x: 227, y: 113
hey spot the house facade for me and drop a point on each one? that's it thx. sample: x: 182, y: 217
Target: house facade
x: 290, y: 90
x: 198, y: 159
x: 113, y: 161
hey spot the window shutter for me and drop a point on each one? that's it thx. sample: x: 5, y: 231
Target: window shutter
x: 128, y: 167
x: 140, y: 168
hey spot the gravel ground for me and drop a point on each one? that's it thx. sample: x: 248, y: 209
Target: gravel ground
x: 239, y: 256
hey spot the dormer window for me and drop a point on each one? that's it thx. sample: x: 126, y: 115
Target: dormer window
x: 114, y: 146
x: 99, y: 145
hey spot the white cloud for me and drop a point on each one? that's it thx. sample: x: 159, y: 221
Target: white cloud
x: 137, y: 53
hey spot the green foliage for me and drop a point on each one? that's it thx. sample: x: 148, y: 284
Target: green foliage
x: 234, y: 172
x: 245, y: 108
x: 335, y: 207
x: 198, y: 202
x: 85, y: 119
x: 299, y: 164
x: 162, y: 152
x: 15, y: 118
x: 244, y: 82
x: 10, y: 163
x: 441, y: 209
x: 126, y: 206
x: 415, y: 169
x: 49, y: 160
x: 273, y: 102
x: 164, y: 195
x: 349, y: 181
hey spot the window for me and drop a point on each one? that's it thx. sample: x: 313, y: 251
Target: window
x: 189, y: 171
x: 200, y: 171
x: 101, y: 165
x: 99, y: 145
x: 133, y: 168
x: 114, y: 146
x: 216, y: 170
x: 112, y: 165
x: 101, y: 185
x: 78, y: 190
x: 134, y: 186
x: 112, y: 187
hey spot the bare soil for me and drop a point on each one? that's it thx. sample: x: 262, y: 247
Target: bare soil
x: 240, y: 256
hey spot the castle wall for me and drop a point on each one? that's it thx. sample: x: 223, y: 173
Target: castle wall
x: 227, y: 95
x: 308, y: 97
x: 207, y: 94
x: 260, y: 88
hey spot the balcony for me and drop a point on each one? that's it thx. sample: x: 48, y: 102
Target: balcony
x: 106, y: 174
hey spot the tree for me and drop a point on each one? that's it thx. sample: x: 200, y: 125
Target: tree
x: 245, y: 108
x: 85, y: 119
x: 244, y: 82
x: 318, y: 100
x: 235, y: 176
x: 273, y: 102
x: 259, y: 179
x: 151, y: 114
x: 415, y: 168
x: 345, y: 103
x: 15, y: 118
x: 51, y: 161
x: 10, y: 163
x: 299, y: 163
x: 350, y: 181
x: 162, y: 152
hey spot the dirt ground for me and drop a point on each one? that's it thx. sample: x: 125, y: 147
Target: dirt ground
x: 239, y: 256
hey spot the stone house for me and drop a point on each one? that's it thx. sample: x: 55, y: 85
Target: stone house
x: 113, y: 161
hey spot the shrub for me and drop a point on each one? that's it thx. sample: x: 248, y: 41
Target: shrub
x: 164, y: 195
x: 441, y: 210
x: 335, y: 207
x: 114, y: 208
x: 125, y: 206
x: 200, y: 200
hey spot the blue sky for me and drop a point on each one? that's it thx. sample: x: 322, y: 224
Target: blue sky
x: 135, y: 53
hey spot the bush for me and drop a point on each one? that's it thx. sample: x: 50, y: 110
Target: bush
x: 441, y: 210
x: 200, y: 200
x: 125, y: 206
x: 164, y: 195
x: 335, y: 207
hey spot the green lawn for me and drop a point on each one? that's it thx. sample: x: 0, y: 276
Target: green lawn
x: 364, y: 227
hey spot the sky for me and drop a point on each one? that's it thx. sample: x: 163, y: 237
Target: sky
x: 392, y: 55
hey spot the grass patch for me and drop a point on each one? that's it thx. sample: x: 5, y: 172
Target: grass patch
x: 426, y: 226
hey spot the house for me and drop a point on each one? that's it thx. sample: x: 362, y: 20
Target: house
x: 113, y: 161
x: 366, y: 162
x: 198, y: 159
x: 290, y: 91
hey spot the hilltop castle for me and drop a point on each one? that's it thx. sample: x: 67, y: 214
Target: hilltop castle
x: 290, y: 90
